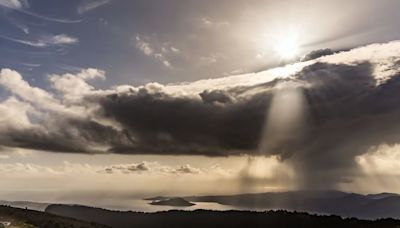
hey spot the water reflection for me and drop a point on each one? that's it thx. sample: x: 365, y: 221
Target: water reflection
x: 144, y: 206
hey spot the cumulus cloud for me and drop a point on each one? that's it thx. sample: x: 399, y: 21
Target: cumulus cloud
x: 41, y: 117
x: 150, y: 167
x: 145, y: 168
x: 317, y: 116
x: 187, y: 169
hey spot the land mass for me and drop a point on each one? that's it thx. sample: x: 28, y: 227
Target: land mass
x: 345, y: 204
x: 174, y: 202
x: 205, y: 218
x: 25, y: 218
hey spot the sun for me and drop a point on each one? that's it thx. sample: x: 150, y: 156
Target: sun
x: 288, y: 47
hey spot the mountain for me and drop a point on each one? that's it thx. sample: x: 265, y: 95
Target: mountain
x: 203, y: 218
x: 174, y: 202
x: 322, y: 202
x: 381, y: 195
x: 25, y: 218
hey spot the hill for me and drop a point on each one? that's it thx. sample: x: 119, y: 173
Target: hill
x: 203, y: 218
x: 25, y: 218
x: 25, y: 204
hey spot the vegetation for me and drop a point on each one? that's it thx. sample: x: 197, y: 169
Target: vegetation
x: 205, y: 218
x: 24, y: 218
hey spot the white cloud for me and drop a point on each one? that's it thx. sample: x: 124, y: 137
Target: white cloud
x: 46, y: 41
x: 150, y: 167
x: 74, y: 86
x: 58, y: 39
x: 14, y: 115
x: 36, y: 112
x: 14, y: 82
x: 187, y: 169
x: 152, y: 48
x: 14, y: 4
x: 208, y: 22
x: 89, y: 5
x: 144, y: 46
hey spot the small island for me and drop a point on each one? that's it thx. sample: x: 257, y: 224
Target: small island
x: 174, y: 202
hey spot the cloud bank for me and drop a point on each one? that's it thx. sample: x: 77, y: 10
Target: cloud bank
x: 316, y: 115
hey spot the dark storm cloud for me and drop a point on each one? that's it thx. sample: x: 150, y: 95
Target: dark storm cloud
x: 351, y: 104
x: 163, y: 124
x: 67, y: 135
x: 316, y: 54
x: 348, y: 114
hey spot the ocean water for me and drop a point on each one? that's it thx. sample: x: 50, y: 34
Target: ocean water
x: 144, y: 206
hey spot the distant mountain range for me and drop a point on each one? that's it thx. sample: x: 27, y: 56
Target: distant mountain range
x: 345, y: 204
x: 371, y: 206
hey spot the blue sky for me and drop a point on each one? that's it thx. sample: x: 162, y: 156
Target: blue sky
x: 137, y: 42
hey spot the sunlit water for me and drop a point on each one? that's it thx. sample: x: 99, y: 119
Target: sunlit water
x: 145, y: 206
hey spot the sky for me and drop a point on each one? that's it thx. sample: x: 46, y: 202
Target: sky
x: 117, y: 99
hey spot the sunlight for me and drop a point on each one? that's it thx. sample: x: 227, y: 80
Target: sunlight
x: 287, y: 48
x: 286, y: 118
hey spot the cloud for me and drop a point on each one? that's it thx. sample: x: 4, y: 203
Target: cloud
x: 89, y: 5
x: 59, y: 39
x: 208, y: 22
x: 128, y: 169
x: 144, y: 168
x: 22, y: 5
x: 150, y: 167
x: 80, y: 182
x: 155, y: 50
x: 317, y: 116
x: 73, y: 86
x: 14, y: 4
x: 316, y: 54
x: 45, y: 41
x: 44, y: 117
x: 187, y: 169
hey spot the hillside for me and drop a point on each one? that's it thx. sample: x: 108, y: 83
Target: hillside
x: 203, y: 218
x: 25, y: 218
x: 25, y: 204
